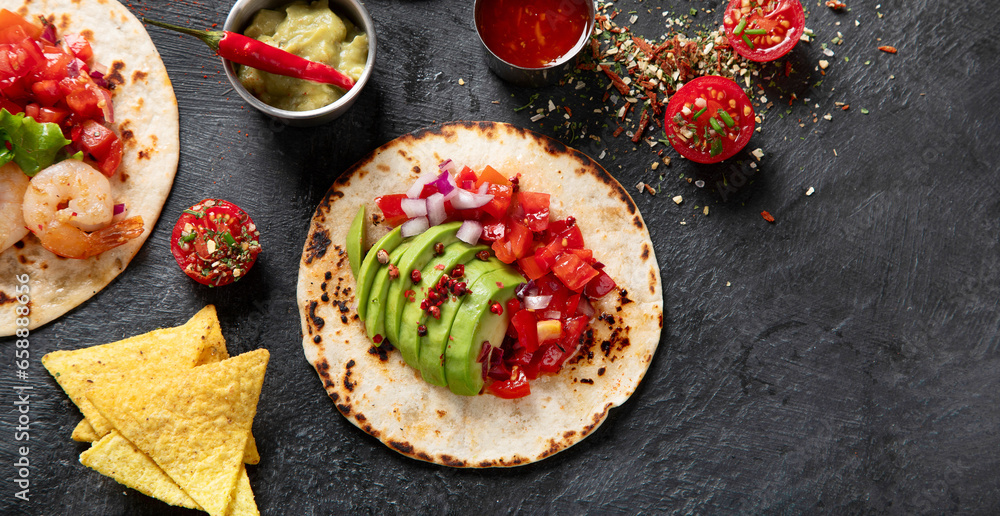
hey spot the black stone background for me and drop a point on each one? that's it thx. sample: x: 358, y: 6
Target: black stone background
x: 844, y: 359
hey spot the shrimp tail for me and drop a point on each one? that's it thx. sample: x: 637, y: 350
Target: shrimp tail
x: 70, y: 242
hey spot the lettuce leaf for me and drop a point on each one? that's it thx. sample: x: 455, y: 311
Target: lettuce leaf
x: 30, y: 144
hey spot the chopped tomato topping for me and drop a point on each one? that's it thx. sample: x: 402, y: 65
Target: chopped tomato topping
x: 573, y: 271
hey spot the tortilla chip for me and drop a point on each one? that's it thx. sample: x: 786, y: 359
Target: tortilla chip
x: 84, y: 432
x: 195, y: 426
x: 157, y: 353
x: 114, y: 456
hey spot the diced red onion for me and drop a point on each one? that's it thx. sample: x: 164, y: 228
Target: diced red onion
x: 585, y: 307
x: 444, y: 182
x: 465, y: 200
x: 536, y: 302
x: 470, y: 232
x: 468, y: 184
x: 414, y: 227
x: 49, y: 34
x: 418, y: 185
x: 73, y: 68
x: 435, y: 209
x: 414, y: 207
x: 107, y: 107
x: 523, y: 289
x: 449, y: 166
x: 98, y: 78
x: 119, y: 208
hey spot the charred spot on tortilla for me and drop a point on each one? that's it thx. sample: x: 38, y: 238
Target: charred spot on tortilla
x: 382, y: 168
x: 623, y: 297
x: 319, y: 240
x: 4, y: 298
x: 317, y: 339
x: 325, y: 297
x: 380, y: 352
x: 403, y: 446
x: 139, y: 75
x: 645, y: 252
x: 114, y: 75
x: 359, y: 417
x: 416, y: 169
x: 317, y: 321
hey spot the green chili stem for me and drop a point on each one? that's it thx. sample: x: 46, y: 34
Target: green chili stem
x: 189, y: 237
x: 747, y: 41
x: 740, y: 27
x: 716, y: 125
x: 726, y: 118
x: 702, y: 110
x: 198, y: 214
x: 716, y: 147
x: 229, y: 238
x: 755, y: 32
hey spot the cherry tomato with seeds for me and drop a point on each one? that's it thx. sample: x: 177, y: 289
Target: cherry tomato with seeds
x: 215, y: 242
x: 764, y: 30
x: 709, y: 119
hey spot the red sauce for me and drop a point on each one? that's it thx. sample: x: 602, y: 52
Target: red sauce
x: 532, y: 33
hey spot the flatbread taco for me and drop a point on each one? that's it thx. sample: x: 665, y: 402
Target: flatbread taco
x: 83, y: 179
x: 477, y: 295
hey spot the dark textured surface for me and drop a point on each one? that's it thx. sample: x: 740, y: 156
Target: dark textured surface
x: 845, y: 359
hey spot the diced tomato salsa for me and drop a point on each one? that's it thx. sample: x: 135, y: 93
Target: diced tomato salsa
x: 552, y: 310
x: 56, y: 80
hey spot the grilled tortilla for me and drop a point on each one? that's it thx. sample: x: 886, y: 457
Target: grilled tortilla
x: 145, y: 112
x: 376, y: 391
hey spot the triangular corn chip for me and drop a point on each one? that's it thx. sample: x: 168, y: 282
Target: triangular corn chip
x: 86, y: 434
x: 115, y: 457
x: 160, y: 351
x: 195, y: 425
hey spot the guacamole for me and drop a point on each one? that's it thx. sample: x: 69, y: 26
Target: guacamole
x: 313, y: 31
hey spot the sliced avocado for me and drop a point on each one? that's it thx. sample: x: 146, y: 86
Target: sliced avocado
x: 421, y: 251
x: 366, y: 274
x: 356, y: 240
x: 474, y: 324
x: 375, y: 318
x: 408, y: 342
x: 432, y: 345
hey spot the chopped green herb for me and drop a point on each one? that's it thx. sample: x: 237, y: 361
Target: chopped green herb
x: 864, y: 111
x: 531, y: 100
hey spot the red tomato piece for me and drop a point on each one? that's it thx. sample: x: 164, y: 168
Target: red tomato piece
x: 47, y: 92
x: 764, y: 30
x: 503, y: 251
x: 102, y: 144
x: 466, y: 179
x: 532, y: 268
x: 392, y: 212
x: 573, y: 271
x: 493, y: 230
x: 553, y: 357
x: 516, y: 387
x: 55, y: 66
x: 215, y: 242
x: 79, y: 46
x: 585, y: 254
x: 10, y: 19
x: 709, y: 119
x: 500, y: 187
x: 599, y: 286
x: 520, y: 238
x: 572, y: 303
x: 536, y: 209
x: 524, y: 323
x: 572, y: 238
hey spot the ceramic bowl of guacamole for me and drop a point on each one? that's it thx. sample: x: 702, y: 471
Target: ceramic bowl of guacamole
x: 339, y: 33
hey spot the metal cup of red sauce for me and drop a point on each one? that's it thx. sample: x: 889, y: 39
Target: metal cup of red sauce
x: 533, y: 42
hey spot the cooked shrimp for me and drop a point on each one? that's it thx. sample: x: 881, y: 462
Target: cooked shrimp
x: 13, y: 183
x: 69, y: 207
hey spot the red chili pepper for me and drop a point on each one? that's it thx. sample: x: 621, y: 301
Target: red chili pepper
x: 256, y: 54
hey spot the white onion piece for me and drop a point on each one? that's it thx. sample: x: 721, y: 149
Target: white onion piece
x: 414, y: 207
x: 536, y: 302
x: 418, y: 186
x: 435, y: 209
x: 483, y: 187
x: 551, y: 314
x: 470, y: 232
x: 467, y: 200
x: 414, y: 227
x: 451, y: 195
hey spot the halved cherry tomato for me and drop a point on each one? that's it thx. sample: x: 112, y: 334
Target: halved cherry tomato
x: 215, y: 242
x: 764, y: 30
x: 709, y: 119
